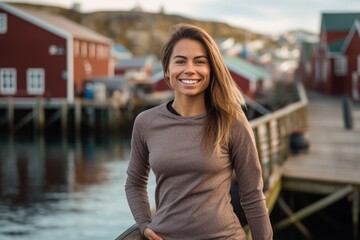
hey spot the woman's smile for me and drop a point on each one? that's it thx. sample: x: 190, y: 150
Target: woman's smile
x: 189, y: 81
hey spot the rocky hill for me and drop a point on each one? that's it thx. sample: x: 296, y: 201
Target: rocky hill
x: 143, y: 32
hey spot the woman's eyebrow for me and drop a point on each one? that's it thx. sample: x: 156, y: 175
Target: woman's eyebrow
x: 180, y: 56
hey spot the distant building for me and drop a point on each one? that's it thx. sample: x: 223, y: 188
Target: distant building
x: 335, y: 59
x: 252, y: 79
x: 120, y: 52
x: 47, y: 55
x: 141, y: 65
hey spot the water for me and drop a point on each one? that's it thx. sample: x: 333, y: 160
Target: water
x: 60, y: 189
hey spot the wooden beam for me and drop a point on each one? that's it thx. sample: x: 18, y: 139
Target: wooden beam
x: 355, y: 213
x: 302, y: 228
x: 309, y: 186
x: 312, y: 208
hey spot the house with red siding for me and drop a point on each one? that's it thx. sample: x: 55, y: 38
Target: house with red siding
x: 351, y: 49
x: 47, y: 55
x: 335, y: 61
x: 252, y: 79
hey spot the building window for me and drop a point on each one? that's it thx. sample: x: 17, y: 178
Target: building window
x: 3, y: 23
x: 340, y: 66
x: 106, y: 50
x: 84, y: 49
x: 76, y: 48
x: 308, y: 67
x: 35, y: 80
x: 100, y: 52
x: 92, y: 50
x: 8, y: 80
x: 324, y: 70
x: 317, y: 71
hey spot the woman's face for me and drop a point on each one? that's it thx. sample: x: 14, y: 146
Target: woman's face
x: 189, y: 68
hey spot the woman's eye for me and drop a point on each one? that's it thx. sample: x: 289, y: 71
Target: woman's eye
x: 179, y: 61
x: 200, y: 62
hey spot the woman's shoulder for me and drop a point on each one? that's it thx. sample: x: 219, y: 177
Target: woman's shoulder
x: 241, y: 128
x: 150, y: 114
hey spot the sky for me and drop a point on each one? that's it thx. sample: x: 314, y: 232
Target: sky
x: 260, y: 16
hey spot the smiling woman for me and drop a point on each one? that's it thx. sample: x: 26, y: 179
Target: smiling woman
x: 193, y: 144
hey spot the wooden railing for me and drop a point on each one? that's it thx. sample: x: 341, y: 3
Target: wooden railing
x: 272, y: 132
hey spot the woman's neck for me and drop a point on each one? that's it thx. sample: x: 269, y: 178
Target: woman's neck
x: 189, y: 106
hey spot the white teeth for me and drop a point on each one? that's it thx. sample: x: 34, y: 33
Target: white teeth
x: 189, y: 81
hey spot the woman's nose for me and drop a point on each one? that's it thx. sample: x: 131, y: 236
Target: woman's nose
x: 189, y: 68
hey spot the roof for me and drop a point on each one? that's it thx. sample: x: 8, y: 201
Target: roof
x: 335, y: 46
x: 135, y: 62
x: 120, y: 51
x: 55, y: 23
x: 245, y: 68
x: 337, y: 22
x: 355, y: 29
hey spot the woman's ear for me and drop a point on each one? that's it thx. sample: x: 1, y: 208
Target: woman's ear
x: 167, y: 80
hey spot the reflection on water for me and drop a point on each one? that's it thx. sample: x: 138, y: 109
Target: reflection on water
x: 63, y: 189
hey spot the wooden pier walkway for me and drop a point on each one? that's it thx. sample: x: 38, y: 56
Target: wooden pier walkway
x: 332, y: 164
x: 334, y: 154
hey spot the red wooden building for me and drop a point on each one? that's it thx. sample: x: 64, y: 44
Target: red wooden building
x: 351, y: 49
x: 335, y: 61
x: 47, y: 55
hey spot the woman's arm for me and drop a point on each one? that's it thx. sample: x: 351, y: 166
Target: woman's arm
x: 250, y: 184
x: 137, y: 176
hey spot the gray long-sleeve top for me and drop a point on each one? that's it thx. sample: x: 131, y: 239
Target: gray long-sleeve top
x: 192, y: 189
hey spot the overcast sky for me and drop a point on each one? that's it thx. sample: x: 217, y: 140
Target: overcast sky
x: 262, y: 16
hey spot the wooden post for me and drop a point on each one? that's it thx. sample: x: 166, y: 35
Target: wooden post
x: 270, y: 147
x: 260, y: 154
x: 77, y: 117
x: 10, y: 115
x: 39, y: 115
x: 355, y: 213
x: 64, y: 117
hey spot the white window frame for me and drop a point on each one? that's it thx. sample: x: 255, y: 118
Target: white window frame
x: 35, y: 84
x: 7, y: 80
x: 3, y: 23
x: 340, y: 66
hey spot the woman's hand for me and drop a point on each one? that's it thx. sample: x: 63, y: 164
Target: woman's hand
x: 151, y: 235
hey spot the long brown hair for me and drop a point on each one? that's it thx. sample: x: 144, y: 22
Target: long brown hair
x: 223, y: 98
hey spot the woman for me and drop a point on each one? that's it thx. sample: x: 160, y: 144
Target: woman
x: 193, y: 144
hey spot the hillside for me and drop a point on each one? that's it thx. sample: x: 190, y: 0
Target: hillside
x: 142, y: 32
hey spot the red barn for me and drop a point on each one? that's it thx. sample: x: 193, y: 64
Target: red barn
x: 351, y: 49
x: 338, y: 44
x: 47, y: 55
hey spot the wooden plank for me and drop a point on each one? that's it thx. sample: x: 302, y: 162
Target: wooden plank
x: 334, y: 152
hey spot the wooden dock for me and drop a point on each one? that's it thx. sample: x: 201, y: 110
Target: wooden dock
x: 332, y: 164
x: 39, y: 115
